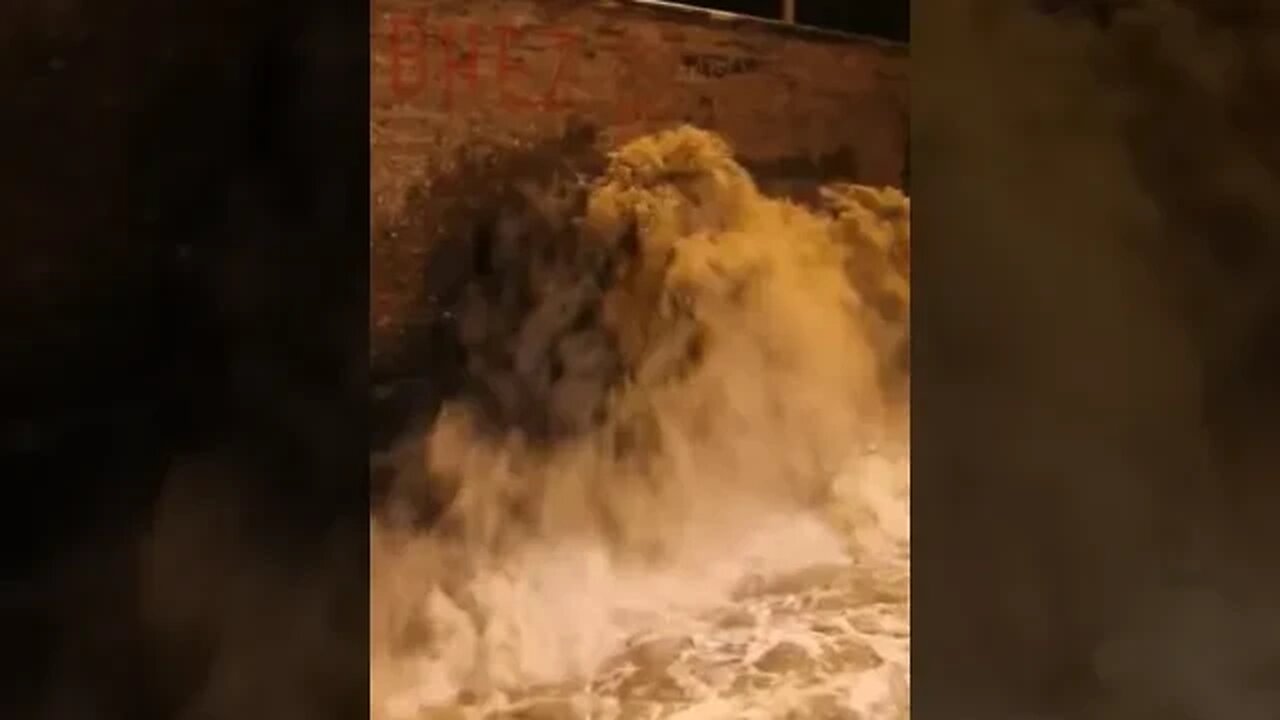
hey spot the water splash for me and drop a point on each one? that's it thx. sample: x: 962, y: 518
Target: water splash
x: 681, y: 395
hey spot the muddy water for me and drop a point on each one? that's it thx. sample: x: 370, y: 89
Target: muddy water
x: 725, y: 533
x: 798, y: 622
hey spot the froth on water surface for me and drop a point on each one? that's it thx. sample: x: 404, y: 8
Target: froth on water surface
x: 676, y: 484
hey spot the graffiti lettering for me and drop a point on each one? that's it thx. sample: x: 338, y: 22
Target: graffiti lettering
x: 460, y: 62
x: 525, y: 68
x: 568, y: 45
x: 508, y: 37
x: 463, y: 57
x: 712, y: 66
x: 408, y: 44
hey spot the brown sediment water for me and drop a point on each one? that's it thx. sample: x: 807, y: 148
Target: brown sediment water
x: 680, y: 486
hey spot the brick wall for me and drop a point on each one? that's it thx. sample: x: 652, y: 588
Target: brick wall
x: 452, y: 78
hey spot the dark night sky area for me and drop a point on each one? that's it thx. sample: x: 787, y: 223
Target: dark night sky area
x: 888, y: 19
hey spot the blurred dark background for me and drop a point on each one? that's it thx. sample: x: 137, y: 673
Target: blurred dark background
x: 1096, y: 359
x: 182, y: 382
x: 888, y: 19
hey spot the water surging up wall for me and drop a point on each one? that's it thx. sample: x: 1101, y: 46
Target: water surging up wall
x: 664, y: 382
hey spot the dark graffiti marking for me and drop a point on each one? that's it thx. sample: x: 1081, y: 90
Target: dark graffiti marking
x: 714, y: 66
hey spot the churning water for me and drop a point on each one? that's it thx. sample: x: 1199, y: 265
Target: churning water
x: 678, y: 487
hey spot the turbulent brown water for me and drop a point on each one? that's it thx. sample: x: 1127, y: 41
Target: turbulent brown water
x: 679, y: 487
